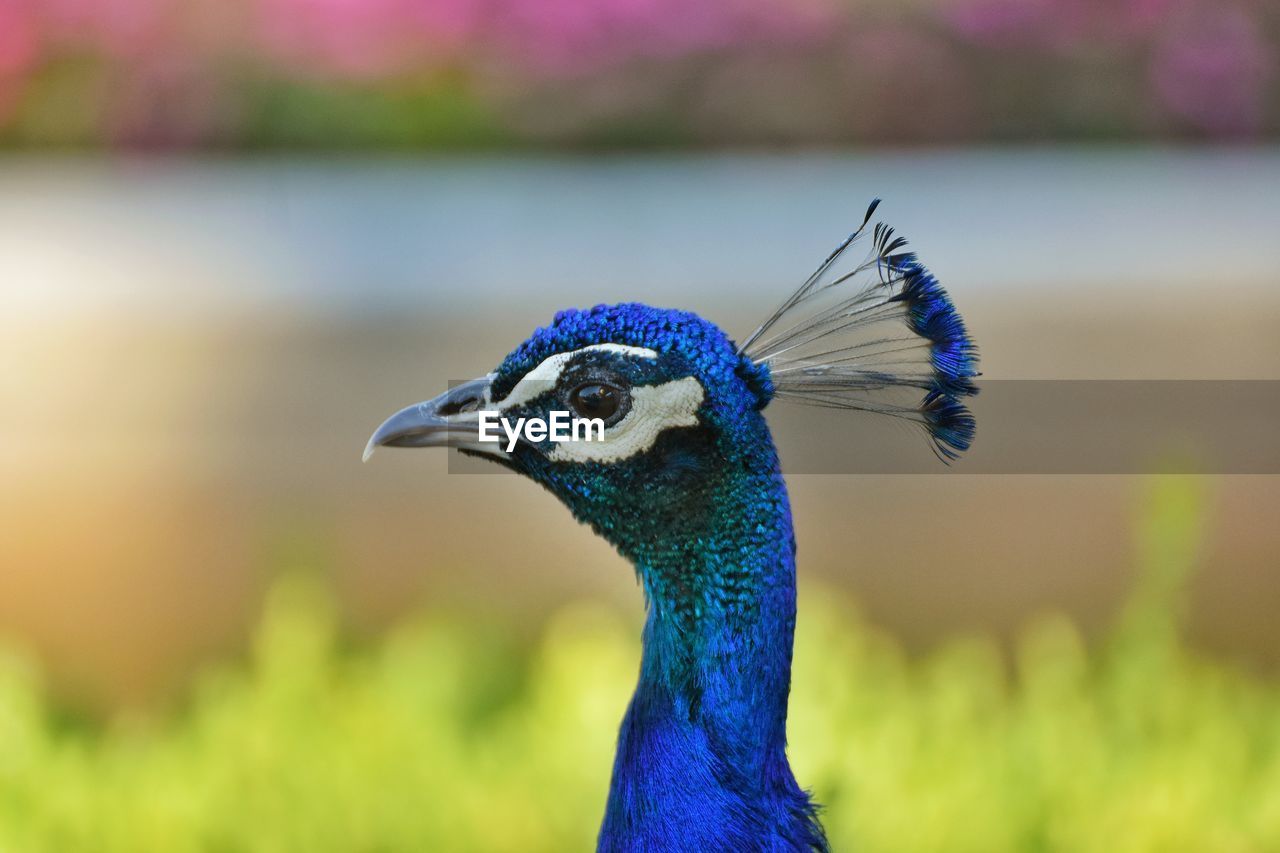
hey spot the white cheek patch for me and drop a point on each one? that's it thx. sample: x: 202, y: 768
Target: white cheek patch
x: 543, y: 377
x: 654, y: 408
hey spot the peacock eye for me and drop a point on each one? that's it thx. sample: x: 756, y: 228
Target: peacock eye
x: 596, y: 400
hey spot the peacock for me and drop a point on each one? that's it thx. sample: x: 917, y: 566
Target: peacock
x: 685, y: 482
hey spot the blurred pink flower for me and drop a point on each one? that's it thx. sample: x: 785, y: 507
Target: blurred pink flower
x: 157, y: 70
x: 367, y: 38
x: 19, y: 53
x: 122, y: 29
x: 570, y: 37
x: 989, y: 20
x: 905, y: 84
x: 19, y: 38
x: 1055, y: 24
x: 1213, y: 69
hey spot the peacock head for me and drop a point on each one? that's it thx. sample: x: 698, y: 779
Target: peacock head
x: 653, y: 406
x: 677, y: 405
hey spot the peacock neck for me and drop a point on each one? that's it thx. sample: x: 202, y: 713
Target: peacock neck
x: 718, y: 633
x: 705, y: 734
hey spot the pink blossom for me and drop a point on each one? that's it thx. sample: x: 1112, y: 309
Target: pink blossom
x: 1213, y: 70
x: 568, y: 37
x: 19, y: 39
x: 1061, y: 25
x: 19, y: 53
x: 906, y: 84
x: 989, y: 20
x: 121, y: 29
x: 366, y: 38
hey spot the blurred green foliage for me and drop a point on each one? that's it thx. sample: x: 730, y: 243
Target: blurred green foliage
x: 449, y: 736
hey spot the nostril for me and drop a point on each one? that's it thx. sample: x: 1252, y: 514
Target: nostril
x: 460, y: 404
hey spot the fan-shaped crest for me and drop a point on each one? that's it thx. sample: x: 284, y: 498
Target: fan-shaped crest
x: 875, y: 332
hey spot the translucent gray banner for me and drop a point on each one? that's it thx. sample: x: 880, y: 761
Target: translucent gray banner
x: 1045, y: 427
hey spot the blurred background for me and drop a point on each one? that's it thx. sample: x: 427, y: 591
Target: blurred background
x: 235, y: 235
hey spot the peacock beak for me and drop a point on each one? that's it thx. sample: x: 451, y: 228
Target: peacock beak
x: 450, y: 420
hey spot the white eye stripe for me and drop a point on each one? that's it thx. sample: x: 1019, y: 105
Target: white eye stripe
x: 544, y: 377
x: 654, y: 408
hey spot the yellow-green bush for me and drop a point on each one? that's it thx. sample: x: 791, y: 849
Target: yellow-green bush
x: 445, y: 738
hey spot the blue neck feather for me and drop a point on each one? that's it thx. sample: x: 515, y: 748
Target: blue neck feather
x: 701, y: 761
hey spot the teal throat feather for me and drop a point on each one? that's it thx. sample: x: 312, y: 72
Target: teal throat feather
x: 702, y: 751
x: 705, y: 734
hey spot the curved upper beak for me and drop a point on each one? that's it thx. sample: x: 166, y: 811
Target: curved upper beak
x: 450, y: 420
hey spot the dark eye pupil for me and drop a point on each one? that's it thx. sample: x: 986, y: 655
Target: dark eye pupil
x: 595, y: 401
